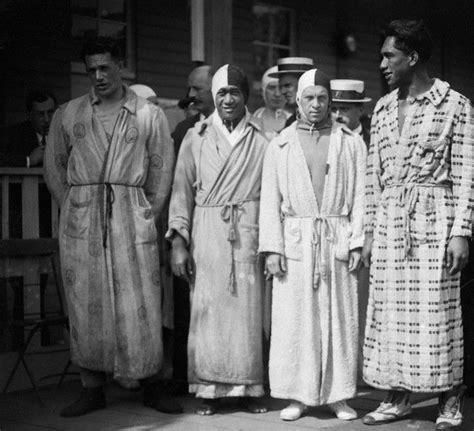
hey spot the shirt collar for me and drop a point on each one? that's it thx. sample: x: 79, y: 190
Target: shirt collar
x: 358, y: 129
x: 129, y: 100
x: 435, y: 94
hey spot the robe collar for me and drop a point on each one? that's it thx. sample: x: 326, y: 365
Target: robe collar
x: 129, y: 100
x: 436, y: 94
x: 248, y: 120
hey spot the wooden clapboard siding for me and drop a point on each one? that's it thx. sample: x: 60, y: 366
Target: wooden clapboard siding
x: 38, y: 52
x: 163, y: 46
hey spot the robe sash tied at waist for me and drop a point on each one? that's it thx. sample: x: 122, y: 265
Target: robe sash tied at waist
x: 108, y: 204
x: 406, y: 196
x: 229, y: 214
x: 322, y: 241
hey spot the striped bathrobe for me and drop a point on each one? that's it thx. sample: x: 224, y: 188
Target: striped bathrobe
x: 313, y: 350
x: 110, y: 193
x: 214, y: 207
x: 419, y: 195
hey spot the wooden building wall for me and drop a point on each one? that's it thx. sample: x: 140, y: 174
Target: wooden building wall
x: 319, y: 24
x: 163, y: 46
x: 35, y: 41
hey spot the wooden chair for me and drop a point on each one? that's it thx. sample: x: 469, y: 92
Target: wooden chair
x: 47, y: 249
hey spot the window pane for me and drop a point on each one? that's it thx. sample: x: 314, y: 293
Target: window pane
x: 82, y: 28
x: 115, y: 31
x: 112, y: 10
x: 261, y: 27
x: 84, y: 7
x: 281, y: 26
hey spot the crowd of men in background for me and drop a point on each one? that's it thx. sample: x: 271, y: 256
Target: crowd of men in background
x: 270, y: 218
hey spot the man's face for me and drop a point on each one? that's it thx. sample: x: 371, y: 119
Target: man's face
x: 199, y: 84
x: 230, y: 103
x: 41, y: 115
x: 346, y: 113
x: 395, y: 64
x: 315, y: 103
x: 288, y: 87
x: 105, y: 74
x: 273, y: 97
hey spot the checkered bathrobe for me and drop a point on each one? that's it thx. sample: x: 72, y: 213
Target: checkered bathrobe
x: 418, y: 196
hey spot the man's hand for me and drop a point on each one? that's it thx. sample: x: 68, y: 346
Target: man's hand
x: 275, y: 264
x: 367, y: 249
x: 355, y: 259
x: 182, y: 263
x: 36, y: 156
x: 457, y: 254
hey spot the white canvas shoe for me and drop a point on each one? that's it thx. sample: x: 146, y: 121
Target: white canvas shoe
x: 343, y: 410
x: 294, y: 411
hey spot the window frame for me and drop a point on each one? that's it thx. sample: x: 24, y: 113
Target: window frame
x: 129, y: 72
x: 271, y: 45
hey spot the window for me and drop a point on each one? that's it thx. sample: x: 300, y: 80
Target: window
x: 110, y: 18
x: 273, y: 35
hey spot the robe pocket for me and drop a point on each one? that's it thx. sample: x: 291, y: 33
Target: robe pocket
x: 145, y: 228
x: 343, y: 236
x: 293, y: 243
x: 246, y: 248
x: 426, y: 225
x: 78, y: 219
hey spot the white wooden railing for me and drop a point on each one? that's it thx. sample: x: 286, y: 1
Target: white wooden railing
x: 29, y: 178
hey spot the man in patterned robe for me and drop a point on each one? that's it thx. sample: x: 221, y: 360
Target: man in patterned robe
x: 213, y: 227
x: 109, y: 164
x: 419, y: 199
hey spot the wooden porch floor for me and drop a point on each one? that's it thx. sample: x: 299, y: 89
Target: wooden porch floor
x: 22, y: 411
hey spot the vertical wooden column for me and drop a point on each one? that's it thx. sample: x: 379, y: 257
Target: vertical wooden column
x: 218, y: 32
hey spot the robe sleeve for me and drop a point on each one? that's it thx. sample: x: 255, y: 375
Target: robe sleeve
x: 160, y: 169
x: 270, y: 227
x: 373, y: 183
x: 357, y: 212
x: 183, y: 193
x: 56, y: 158
x: 462, y: 172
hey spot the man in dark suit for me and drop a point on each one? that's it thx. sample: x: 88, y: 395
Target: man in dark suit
x: 348, y: 98
x: 26, y: 141
x: 24, y: 148
x: 199, y: 97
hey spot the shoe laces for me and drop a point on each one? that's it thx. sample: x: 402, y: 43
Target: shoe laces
x: 383, y: 406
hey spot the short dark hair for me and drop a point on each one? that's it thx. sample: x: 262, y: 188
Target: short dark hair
x: 38, y: 96
x: 101, y: 45
x: 411, y: 35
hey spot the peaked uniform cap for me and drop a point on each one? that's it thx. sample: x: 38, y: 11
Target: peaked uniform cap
x: 230, y: 75
x: 294, y: 65
x: 348, y: 90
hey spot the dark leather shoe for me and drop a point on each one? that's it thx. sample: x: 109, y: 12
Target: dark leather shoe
x: 152, y: 397
x: 91, y: 399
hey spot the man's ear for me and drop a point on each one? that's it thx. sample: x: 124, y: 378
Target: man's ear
x: 413, y: 58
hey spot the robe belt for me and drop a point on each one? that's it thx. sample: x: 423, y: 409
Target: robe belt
x: 406, y: 198
x: 229, y: 214
x: 320, y: 254
x: 109, y: 201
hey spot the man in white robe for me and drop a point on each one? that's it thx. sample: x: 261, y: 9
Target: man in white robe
x: 214, y: 233
x: 311, y: 220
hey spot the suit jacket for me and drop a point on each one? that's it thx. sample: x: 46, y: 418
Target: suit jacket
x: 365, y: 134
x: 181, y: 129
x: 20, y: 141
